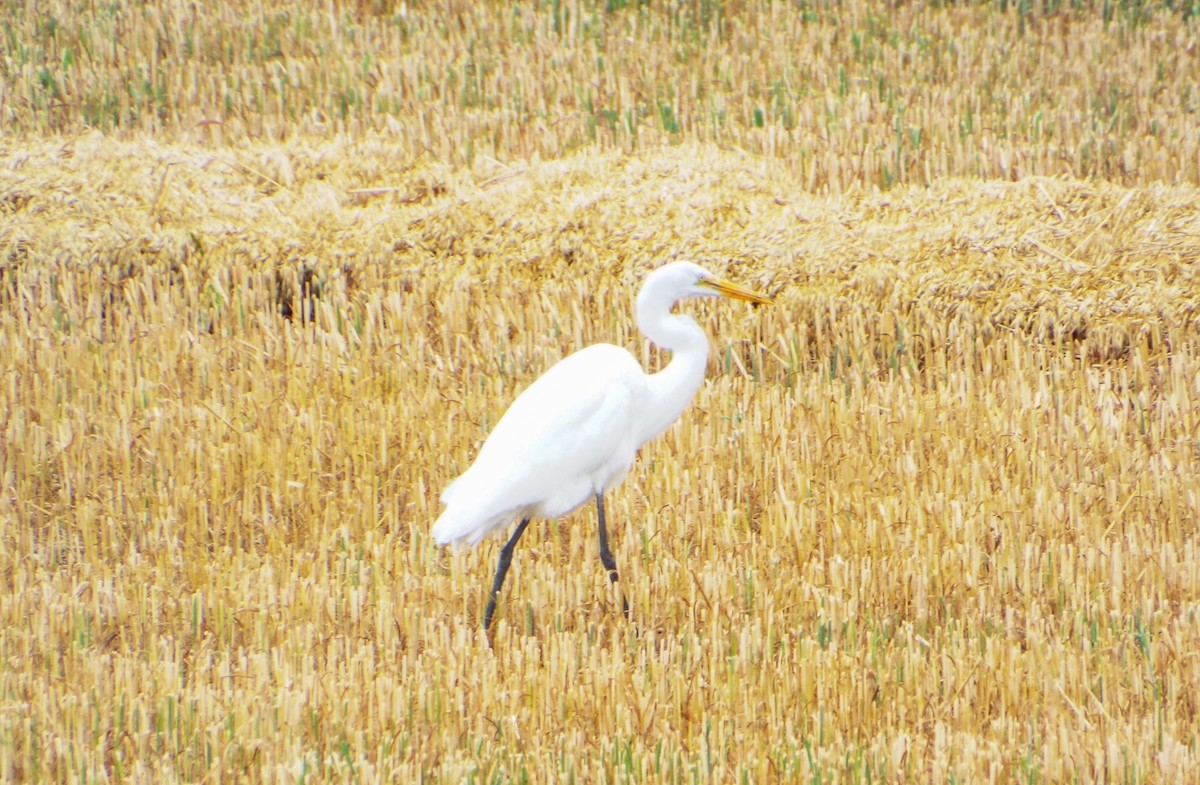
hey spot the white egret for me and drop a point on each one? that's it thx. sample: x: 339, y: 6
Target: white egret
x: 574, y: 432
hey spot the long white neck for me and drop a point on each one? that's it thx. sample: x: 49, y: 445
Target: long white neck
x: 673, y: 387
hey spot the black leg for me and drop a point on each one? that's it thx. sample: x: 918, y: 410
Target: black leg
x: 606, y: 556
x: 501, y: 570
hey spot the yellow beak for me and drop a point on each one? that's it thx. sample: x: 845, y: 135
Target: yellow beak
x: 731, y: 289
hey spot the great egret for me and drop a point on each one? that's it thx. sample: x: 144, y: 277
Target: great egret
x: 574, y: 432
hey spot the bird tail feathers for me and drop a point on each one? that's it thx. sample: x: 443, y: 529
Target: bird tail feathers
x: 458, y: 523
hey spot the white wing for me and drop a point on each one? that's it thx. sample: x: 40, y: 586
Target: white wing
x: 571, y: 434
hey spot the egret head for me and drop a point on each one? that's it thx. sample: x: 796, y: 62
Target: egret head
x: 685, y: 279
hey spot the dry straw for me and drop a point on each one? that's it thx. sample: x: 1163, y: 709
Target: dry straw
x: 932, y: 518
x: 839, y: 93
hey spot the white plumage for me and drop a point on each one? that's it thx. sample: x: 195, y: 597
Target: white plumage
x: 574, y: 432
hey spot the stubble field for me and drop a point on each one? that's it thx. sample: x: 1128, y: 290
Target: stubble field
x: 933, y: 517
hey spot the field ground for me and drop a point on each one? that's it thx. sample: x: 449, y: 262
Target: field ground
x: 933, y: 517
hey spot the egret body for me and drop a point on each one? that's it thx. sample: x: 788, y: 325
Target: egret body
x: 574, y: 432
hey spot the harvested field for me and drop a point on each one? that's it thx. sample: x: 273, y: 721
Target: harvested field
x: 838, y: 93
x: 933, y: 517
